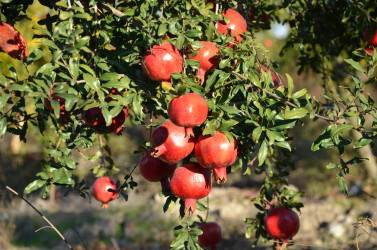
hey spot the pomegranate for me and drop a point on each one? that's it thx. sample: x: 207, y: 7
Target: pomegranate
x: 191, y: 182
x: 12, y: 42
x: 207, y: 56
x: 170, y: 143
x: 281, y: 223
x: 104, y: 190
x: 216, y: 152
x: 211, y: 235
x: 94, y: 119
x: 153, y: 170
x: 161, y: 61
x: 373, y: 41
x: 188, y: 111
x: 64, y: 114
x: 369, y: 50
x: 236, y: 25
x: 275, y: 79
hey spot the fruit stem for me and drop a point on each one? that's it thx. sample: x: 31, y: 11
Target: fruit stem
x: 165, y: 184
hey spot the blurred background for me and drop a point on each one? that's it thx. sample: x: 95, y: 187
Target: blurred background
x: 329, y: 220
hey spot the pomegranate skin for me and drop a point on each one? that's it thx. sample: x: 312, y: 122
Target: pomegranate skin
x: 191, y: 182
x: 95, y: 120
x: 216, y: 152
x: 236, y: 25
x: 170, y: 143
x: 161, y: 61
x: 275, y: 79
x: 211, y: 235
x: 13, y: 42
x: 153, y: 170
x: 281, y: 223
x: 373, y: 40
x: 100, y: 190
x: 207, y: 56
x: 188, y: 111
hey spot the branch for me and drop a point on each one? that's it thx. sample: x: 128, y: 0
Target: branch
x: 281, y: 99
x: 114, y: 11
x: 36, y: 210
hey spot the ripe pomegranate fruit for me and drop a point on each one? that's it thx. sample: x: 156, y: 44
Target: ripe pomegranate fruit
x: 188, y: 111
x: 64, y: 114
x: 211, y: 235
x: 153, y: 170
x: 281, y: 223
x: 373, y: 40
x: 161, y: 61
x: 101, y: 190
x: 236, y: 25
x: 170, y: 143
x: 12, y: 42
x: 208, y: 58
x: 275, y: 79
x: 216, y: 152
x: 94, y: 119
x: 191, y: 182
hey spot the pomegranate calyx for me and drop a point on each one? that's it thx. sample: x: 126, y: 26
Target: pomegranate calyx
x: 157, y: 151
x: 201, y: 74
x: 190, y: 206
x: 189, y: 132
x: 105, y: 205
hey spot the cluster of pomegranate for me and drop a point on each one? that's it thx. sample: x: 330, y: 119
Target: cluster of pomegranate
x: 371, y: 42
x: 13, y: 42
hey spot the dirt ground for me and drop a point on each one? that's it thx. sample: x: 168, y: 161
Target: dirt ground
x: 140, y: 223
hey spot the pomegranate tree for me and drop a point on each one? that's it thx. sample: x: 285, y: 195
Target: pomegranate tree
x: 208, y: 58
x: 188, y: 111
x: 216, y: 152
x: 159, y: 62
x: 211, y: 235
x: 191, y: 182
x: 153, y: 170
x: 104, y: 190
x: 13, y: 42
x: 234, y: 27
x: 170, y: 144
x: 281, y: 223
x: 94, y: 118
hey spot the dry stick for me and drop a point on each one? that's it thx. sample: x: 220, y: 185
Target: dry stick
x: 43, y: 217
x: 281, y: 99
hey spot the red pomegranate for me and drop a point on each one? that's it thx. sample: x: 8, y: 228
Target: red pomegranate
x: 188, y: 111
x: 236, y: 25
x: 216, y: 152
x: 12, y: 42
x: 104, y: 190
x: 161, y: 61
x: 153, y: 170
x: 64, y: 114
x: 94, y: 119
x: 275, y: 79
x: 373, y: 41
x: 211, y: 235
x: 281, y: 223
x: 208, y: 58
x: 170, y: 143
x: 369, y: 49
x: 191, y: 182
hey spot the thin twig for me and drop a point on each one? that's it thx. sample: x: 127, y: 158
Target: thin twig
x: 36, y: 210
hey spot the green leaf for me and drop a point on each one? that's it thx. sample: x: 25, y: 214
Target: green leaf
x: 180, y: 240
x: 107, y: 115
x: 110, y: 76
x: 299, y: 93
x: 227, y: 125
x: 93, y: 83
x: 295, y: 114
x: 200, y: 206
x: 343, y: 185
x: 290, y: 85
x: 34, y: 56
x: 340, y: 129
x: 70, y: 163
x: 256, y: 134
x: 229, y: 109
x: 356, y: 160
x: 34, y: 186
x: 331, y: 165
x: 3, y: 126
x: 262, y: 154
x: 355, y: 64
x: 283, y: 144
